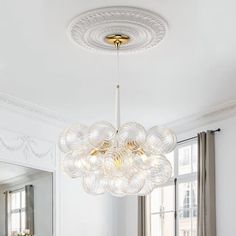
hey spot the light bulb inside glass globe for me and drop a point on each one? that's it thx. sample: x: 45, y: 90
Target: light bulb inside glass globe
x: 118, y: 162
x: 131, y: 136
x: 161, y: 140
x: 161, y: 170
x: 95, y: 183
x: 76, y: 137
x: 142, y: 159
x: 101, y: 135
x: 95, y: 160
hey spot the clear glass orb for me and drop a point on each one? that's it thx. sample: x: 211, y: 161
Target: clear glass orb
x: 136, y: 183
x: 95, y: 160
x: 142, y: 160
x: 118, y: 162
x: 76, y: 137
x: 82, y: 161
x: 131, y: 135
x: 147, y: 188
x: 161, y: 140
x: 118, y: 186
x: 62, y: 142
x: 74, y: 165
x: 161, y: 170
x: 101, y: 135
x: 94, y: 183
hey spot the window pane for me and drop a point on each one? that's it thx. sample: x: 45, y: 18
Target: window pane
x: 162, y: 224
x: 185, y: 223
x: 170, y: 157
x: 194, y: 194
x: 15, y: 222
x: 194, y: 222
x: 22, y: 221
x: 15, y: 200
x: 184, y: 155
x: 162, y: 199
x: 194, y: 157
x: 184, y: 190
x: 23, y: 199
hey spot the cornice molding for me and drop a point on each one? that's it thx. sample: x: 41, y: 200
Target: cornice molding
x: 210, y: 115
x: 31, y: 110
x: 207, y: 116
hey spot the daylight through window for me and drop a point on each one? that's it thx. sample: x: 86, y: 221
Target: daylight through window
x: 17, y: 211
x: 174, y: 205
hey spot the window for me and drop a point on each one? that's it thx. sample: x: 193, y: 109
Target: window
x: 174, y: 204
x: 17, y: 211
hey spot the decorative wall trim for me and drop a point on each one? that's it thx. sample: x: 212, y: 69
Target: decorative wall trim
x: 29, y: 109
x: 26, y: 150
x: 211, y: 115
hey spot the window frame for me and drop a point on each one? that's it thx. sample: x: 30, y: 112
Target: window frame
x: 175, y: 181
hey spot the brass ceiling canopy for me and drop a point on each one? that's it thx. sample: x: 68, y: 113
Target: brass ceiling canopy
x: 117, y: 39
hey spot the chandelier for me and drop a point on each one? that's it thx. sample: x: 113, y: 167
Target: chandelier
x: 125, y: 159
x: 121, y: 160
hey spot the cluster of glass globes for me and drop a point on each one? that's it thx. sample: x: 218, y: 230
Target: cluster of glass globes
x: 127, y: 161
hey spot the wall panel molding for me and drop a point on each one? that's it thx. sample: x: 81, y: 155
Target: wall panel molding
x: 26, y: 150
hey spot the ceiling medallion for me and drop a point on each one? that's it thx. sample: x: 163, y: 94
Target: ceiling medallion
x: 144, y: 28
x: 122, y: 160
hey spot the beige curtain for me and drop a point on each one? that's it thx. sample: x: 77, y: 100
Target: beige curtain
x: 206, y: 184
x: 7, y: 210
x: 29, y: 209
x: 144, y: 216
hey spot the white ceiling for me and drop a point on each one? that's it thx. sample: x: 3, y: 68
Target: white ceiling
x: 9, y: 171
x: 194, y: 67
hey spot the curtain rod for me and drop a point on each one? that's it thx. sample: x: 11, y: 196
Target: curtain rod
x: 188, y: 139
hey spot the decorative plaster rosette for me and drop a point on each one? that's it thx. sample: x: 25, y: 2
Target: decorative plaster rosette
x: 146, y: 29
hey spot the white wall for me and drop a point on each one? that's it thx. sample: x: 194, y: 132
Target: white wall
x: 43, y: 203
x: 225, y: 182
x: 83, y: 214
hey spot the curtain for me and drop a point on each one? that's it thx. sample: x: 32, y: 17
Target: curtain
x: 144, y: 216
x: 206, y: 184
x: 7, y: 210
x: 29, y: 209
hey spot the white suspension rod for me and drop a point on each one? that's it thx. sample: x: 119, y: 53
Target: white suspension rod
x: 117, y: 105
x: 117, y: 111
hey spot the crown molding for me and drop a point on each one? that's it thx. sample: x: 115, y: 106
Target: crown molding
x: 28, y: 109
x: 207, y: 116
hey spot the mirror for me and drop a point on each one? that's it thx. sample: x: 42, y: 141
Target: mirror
x: 26, y: 201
